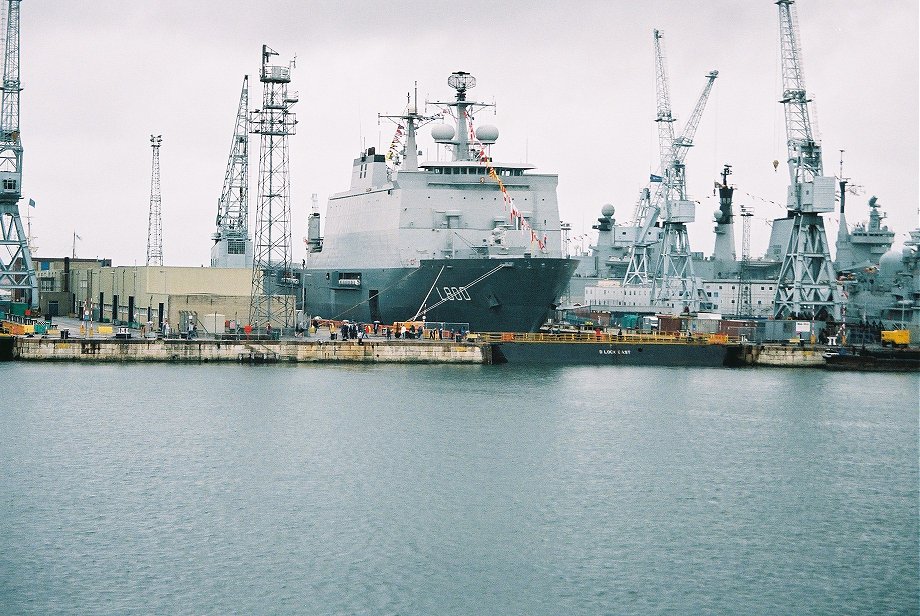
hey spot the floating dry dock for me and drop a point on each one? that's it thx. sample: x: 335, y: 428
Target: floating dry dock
x: 247, y: 351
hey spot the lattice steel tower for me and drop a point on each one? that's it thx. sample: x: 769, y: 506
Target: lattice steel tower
x: 17, y: 272
x: 232, y: 244
x: 273, y: 279
x: 806, y: 286
x: 154, y: 220
x: 745, y: 303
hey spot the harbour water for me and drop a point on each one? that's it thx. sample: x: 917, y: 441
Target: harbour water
x: 206, y: 489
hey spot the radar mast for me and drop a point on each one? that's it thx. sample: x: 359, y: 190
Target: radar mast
x: 462, y: 82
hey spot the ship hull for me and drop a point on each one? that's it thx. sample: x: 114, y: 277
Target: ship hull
x: 515, y: 295
x: 615, y: 354
x: 881, y: 360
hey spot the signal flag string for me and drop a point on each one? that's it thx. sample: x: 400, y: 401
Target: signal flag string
x: 515, y: 215
x: 393, y: 152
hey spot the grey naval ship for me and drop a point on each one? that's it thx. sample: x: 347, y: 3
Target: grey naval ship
x: 464, y: 241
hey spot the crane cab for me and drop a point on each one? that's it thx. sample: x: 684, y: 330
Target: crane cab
x: 10, y: 182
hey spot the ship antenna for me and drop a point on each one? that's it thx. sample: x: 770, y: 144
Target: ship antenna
x: 413, y: 121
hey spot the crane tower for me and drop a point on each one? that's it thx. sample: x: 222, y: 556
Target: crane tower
x: 232, y: 244
x: 154, y: 218
x: 17, y: 272
x: 273, y: 279
x: 675, y: 284
x: 806, y: 286
x: 673, y: 281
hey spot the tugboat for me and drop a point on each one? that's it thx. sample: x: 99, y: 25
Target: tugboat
x: 467, y: 241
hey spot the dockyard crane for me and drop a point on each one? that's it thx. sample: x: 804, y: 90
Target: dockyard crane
x: 232, y: 244
x: 806, y: 284
x: 648, y: 207
x: 17, y: 271
x: 670, y: 195
x: 674, y: 284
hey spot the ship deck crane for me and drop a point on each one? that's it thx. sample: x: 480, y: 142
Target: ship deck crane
x: 806, y: 284
x: 17, y: 271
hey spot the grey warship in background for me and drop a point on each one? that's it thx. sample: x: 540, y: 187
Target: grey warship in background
x: 435, y: 241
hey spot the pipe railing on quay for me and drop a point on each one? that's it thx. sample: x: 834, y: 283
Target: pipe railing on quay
x: 623, y: 338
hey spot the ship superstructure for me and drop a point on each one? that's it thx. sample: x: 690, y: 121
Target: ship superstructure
x: 466, y: 240
x: 866, y: 243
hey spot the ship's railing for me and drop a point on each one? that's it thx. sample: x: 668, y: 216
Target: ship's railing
x: 625, y: 338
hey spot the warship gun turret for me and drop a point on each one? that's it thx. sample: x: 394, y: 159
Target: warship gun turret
x: 466, y: 240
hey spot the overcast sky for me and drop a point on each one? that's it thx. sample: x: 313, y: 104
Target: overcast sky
x: 574, y: 84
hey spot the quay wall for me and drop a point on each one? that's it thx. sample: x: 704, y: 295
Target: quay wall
x: 110, y: 350
x: 783, y: 355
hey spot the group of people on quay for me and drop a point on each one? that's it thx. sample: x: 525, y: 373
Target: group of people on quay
x: 349, y: 330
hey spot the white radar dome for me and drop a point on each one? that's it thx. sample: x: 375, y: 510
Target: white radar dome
x: 487, y: 133
x: 442, y: 132
x: 607, y: 210
x: 891, y: 263
x: 717, y: 214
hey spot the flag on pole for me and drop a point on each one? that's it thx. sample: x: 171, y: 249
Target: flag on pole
x: 655, y: 178
x: 31, y: 202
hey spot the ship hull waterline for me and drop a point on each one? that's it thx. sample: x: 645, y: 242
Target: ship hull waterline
x: 513, y: 294
x: 616, y: 354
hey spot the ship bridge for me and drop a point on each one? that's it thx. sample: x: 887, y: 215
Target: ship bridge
x: 468, y: 167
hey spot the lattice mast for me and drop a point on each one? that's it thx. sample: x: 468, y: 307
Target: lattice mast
x: 17, y: 271
x: 273, y: 281
x: 232, y: 244
x: 154, y: 217
x: 806, y: 286
x: 745, y: 303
